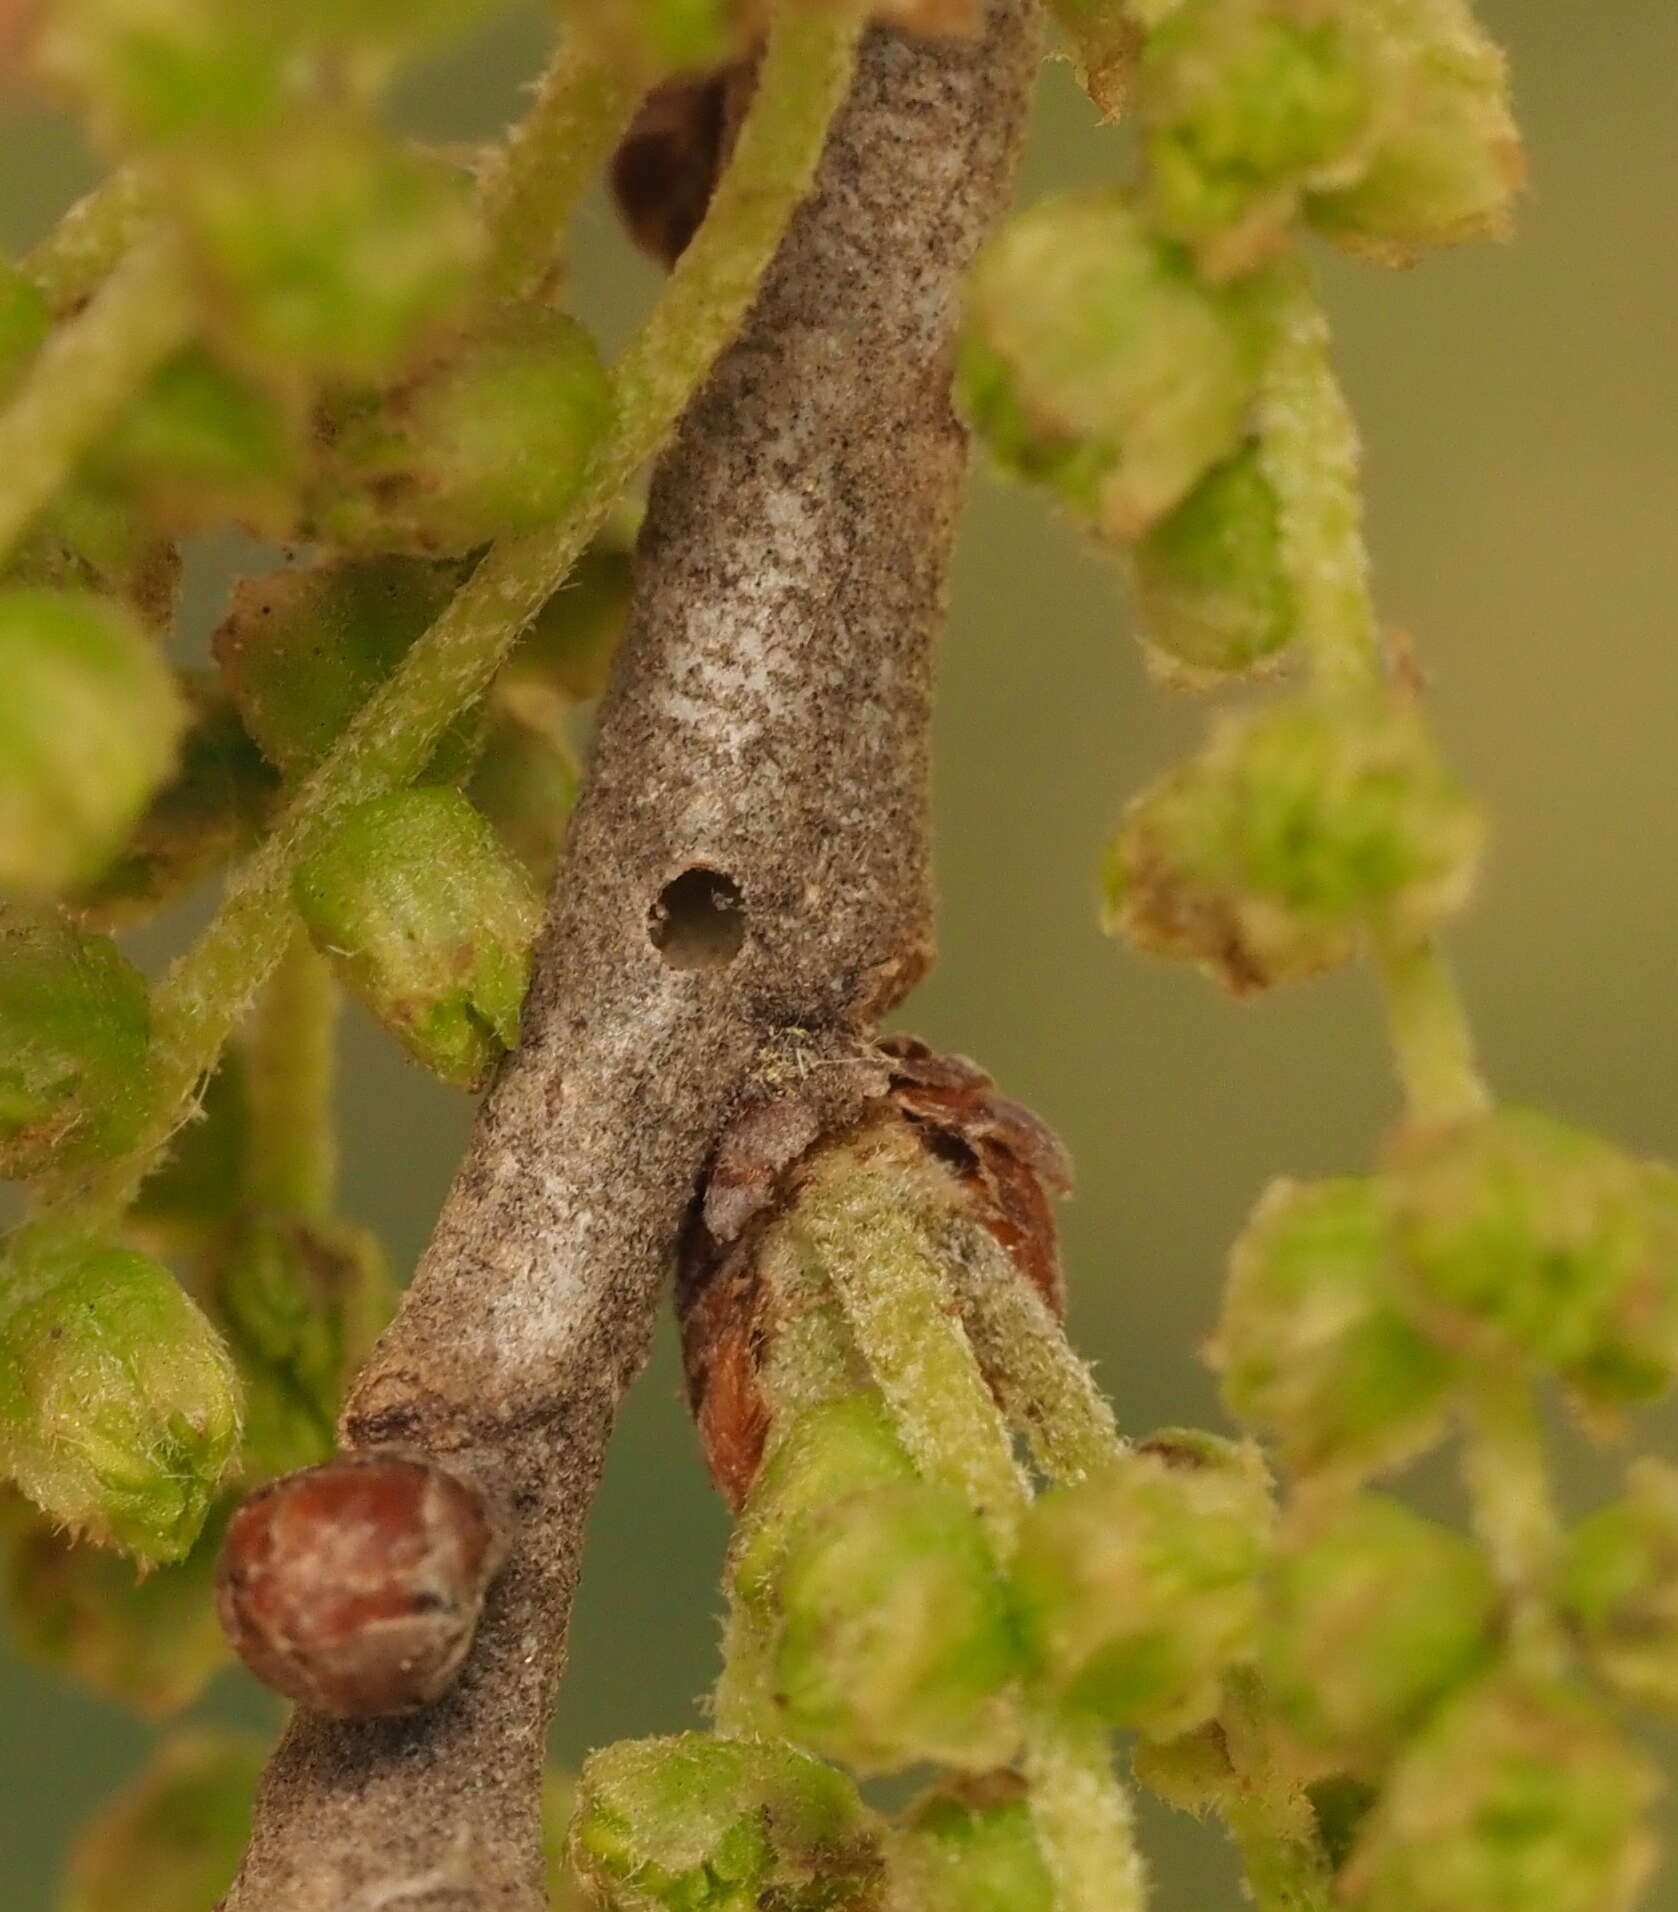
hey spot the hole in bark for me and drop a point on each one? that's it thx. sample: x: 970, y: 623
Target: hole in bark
x: 699, y: 920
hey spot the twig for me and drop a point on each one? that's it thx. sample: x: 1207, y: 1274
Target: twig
x: 767, y: 719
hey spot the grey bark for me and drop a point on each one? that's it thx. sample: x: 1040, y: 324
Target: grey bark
x: 767, y: 720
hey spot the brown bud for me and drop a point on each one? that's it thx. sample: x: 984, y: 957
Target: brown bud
x: 355, y: 1587
x: 1006, y: 1159
x: 667, y: 164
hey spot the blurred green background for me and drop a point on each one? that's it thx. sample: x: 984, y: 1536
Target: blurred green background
x: 1520, y: 408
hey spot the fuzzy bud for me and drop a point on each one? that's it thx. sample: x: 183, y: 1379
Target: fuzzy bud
x: 148, y: 1640
x: 1525, y: 1238
x: 1294, y: 831
x: 88, y: 727
x: 1095, y: 362
x: 75, y: 1022
x: 172, y: 1839
x: 1447, y: 164
x: 895, y: 1640
x: 696, y: 1824
x: 496, y: 439
x: 355, y: 1587
x: 1212, y: 593
x: 332, y: 250
x: 1246, y: 105
x: 300, y: 1304
x: 1619, y: 1588
x: 302, y: 650
x: 1139, y: 1586
x: 1515, y: 1795
x: 1312, y: 1345
x: 118, y: 1405
x: 1375, y: 1617
x: 430, y: 920
x: 970, y: 1847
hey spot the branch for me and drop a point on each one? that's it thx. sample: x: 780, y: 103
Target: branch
x: 767, y: 722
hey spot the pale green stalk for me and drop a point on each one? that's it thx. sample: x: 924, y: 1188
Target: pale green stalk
x: 1506, y: 1469
x: 100, y: 229
x: 288, y: 1050
x: 82, y: 378
x: 1083, y: 1818
x: 534, y: 182
x: 804, y: 76
x: 1432, y: 1043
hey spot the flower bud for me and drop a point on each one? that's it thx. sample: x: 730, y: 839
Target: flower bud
x: 201, y: 446
x: 214, y: 806
x: 696, y: 1824
x: 1525, y: 1238
x: 1096, y: 362
x: 1293, y: 832
x: 496, y: 439
x: 1515, y: 1795
x: 839, y: 1448
x: 1447, y: 164
x: 355, y: 1587
x: 87, y: 733
x: 118, y: 1405
x: 1139, y: 1585
x: 332, y: 250
x: 172, y: 1839
x: 75, y: 1022
x: 1619, y: 1588
x: 1246, y: 105
x: 969, y: 1847
x: 300, y: 1304
x: 895, y: 1642
x: 430, y: 920
x: 1372, y: 1620
x: 1311, y: 1344
x: 164, y: 71
x: 1213, y: 595
x: 302, y: 650
x: 148, y: 1640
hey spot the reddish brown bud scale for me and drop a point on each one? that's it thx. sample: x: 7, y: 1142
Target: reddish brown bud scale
x: 1006, y: 1159
x: 355, y: 1587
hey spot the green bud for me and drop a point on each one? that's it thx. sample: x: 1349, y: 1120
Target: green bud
x: 1296, y: 830
x: 163, y: 71
x: 1247, y: 104
x: 1096, y: 362
x: 430, y: 920
x: 1525, y: 1238
x: 213, y: 807
x: 1448, y: 164
x: 300, y: 1303
x: 829, y: 1452
x: 332, y: 250
x: 172, y: 1839
x: 118, y: 1405
x: 696, y: 1824
x: 496, y: 439
x: 1312, y: 1345
x: 1372, y: 1620
x: 1514, y: 1796
x: 301, y: 651
x: 567, y: 652
x: 969, y: 1847
x: 896, y: 1641
x: 201, y: 446
x: 1619, y: 1588
x: 149, y: 1640
x: 194, y: 1196
x: 525, y: 784
x: 87, y: 733
x: 1107, y: 42
x: 24, y: 323
x: 1212, y: 592
x: 75, y: 1022
x: 1139, y: 1585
